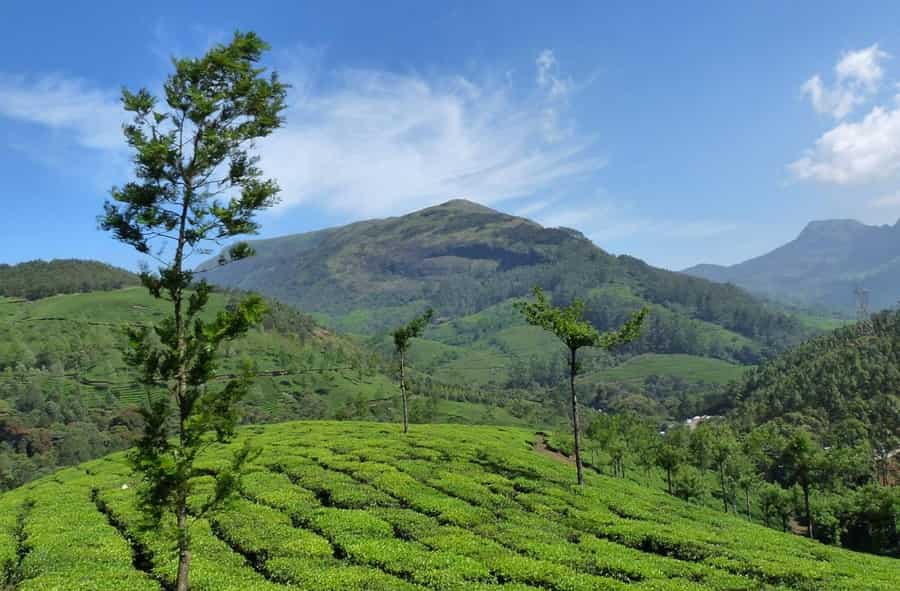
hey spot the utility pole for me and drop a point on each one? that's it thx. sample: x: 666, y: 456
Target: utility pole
x: 862, y: 304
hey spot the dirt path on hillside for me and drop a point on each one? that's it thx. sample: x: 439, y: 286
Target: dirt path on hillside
x: 540, y: 446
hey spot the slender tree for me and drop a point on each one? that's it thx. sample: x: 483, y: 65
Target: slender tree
x: 672, y: 453
x: 575, y: 332
x: 402, y: 338
x: 196, y: 180
x: 801, y: 458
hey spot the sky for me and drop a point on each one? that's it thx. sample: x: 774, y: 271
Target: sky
x: 680, y: 133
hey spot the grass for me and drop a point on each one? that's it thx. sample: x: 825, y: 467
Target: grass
x: 358, y: 506
x: 688, y: 367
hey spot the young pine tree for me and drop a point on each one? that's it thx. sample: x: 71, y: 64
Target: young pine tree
x: 575, y: 332
x: 196, y: 180
x: 402, y: 337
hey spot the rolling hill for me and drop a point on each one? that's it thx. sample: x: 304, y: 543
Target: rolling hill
x: 66, y: 395
x: 357, y: 506
x: 39, y: 279
x: 470, y: 263
x: 823, y: 267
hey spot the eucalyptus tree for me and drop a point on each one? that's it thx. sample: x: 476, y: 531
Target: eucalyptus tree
x: 569, y: 327
x: 402, y: 338
x: 196, y: 182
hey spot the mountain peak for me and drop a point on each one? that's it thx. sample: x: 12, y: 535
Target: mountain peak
x: 828, y: 228
x: 463, y: 205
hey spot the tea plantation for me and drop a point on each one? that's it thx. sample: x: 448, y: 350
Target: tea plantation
x: 358, y: 506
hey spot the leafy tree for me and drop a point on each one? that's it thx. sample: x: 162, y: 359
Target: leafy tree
x: 672, y: 453
x: 569, y: 327
x: 775, y: 502
x: 190, y: 153
x: 725, y: 448
x: 689, y: 483
x: 885, y: 434
x: 801, y: 458
x: 402, y: 337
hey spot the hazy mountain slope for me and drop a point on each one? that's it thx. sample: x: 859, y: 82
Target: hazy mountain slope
x: 823, y: 266
x: 462, y: 258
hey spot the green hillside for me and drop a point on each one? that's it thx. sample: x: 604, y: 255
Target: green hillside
x: 688, y: 367
x: 66, y: 394
x: 39, y: 279
x: 356, y: 506
x: 469, y: 262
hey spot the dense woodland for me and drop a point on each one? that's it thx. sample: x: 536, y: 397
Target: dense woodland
x: 40, y: 279
x: 809, y: 436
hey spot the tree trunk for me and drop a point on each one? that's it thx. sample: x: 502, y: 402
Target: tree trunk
x: 809, y: 520
x: 724, y: 492
x: 403, y: 394
x: 669, y: 478
x: 184, y: 552
x: 749, y: 514
x: 184, y: 549
x: 575, y: 426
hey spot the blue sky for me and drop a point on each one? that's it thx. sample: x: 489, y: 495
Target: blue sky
x: 676, y: 132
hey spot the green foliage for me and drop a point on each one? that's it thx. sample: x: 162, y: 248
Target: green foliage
x: 40, y: 279
x: 575, y: 333
x: 568, y: 326
x: 414, y: 329
x: 216, y: 107
x: 470, y: 508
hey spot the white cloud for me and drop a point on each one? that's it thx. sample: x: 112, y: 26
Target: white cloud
x: 853, y: 152
x: 92, y: 116
x: 858, y: 75
x: 862, y: 66
x: 372, y: 142
x: 859, y: 152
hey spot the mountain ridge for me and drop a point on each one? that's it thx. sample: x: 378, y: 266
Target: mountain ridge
x: 461, y: 258
x: 822, y: 267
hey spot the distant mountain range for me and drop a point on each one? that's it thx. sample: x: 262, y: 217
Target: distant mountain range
x: 823, y: 267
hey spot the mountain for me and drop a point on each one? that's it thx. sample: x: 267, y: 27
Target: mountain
x: 361, y: 507
x: 823, y: 267
x: 471, y: 263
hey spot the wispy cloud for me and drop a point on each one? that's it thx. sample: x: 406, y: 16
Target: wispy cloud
x: 371, y: 142
x: 858, y: 75
x: 891, y: 201
x: 606, y: 221
x: 368, y: 142
x: 92, y: 117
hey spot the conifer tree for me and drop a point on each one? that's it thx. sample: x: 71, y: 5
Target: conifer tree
x: 196, y: 180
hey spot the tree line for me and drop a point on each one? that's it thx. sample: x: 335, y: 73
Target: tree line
x: 34, y: 280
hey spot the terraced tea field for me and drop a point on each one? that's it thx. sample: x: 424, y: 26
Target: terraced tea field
x: 358, y: 506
